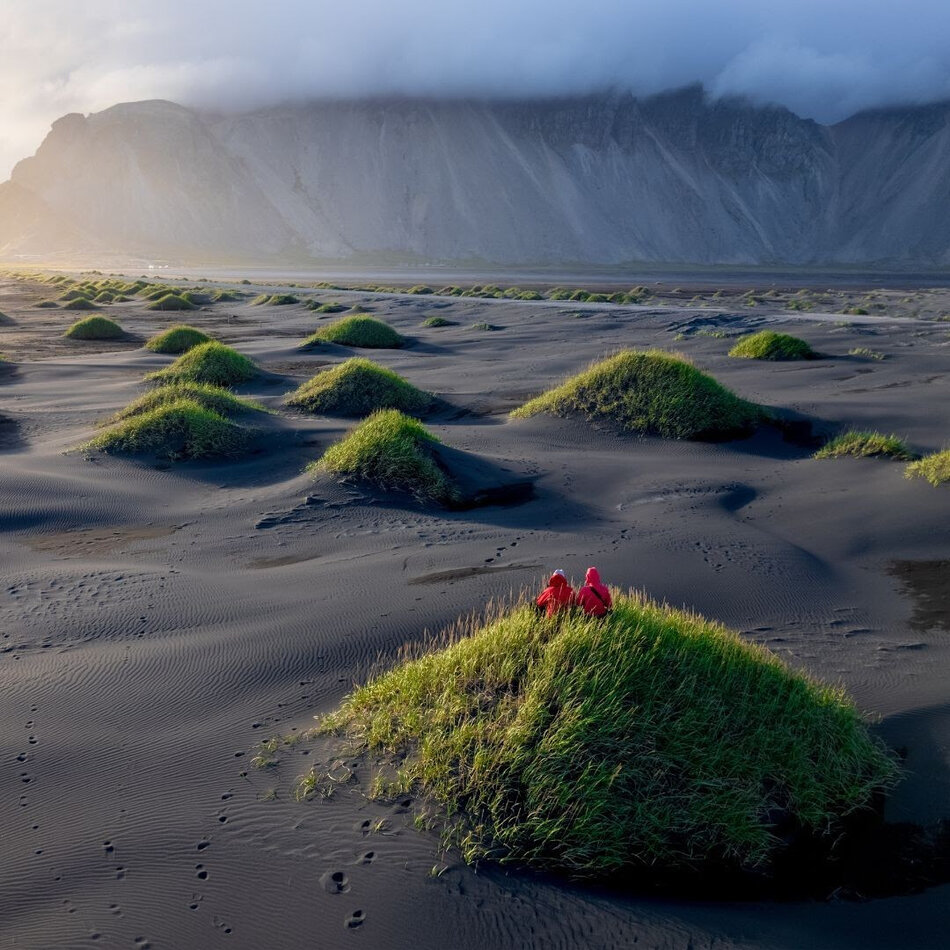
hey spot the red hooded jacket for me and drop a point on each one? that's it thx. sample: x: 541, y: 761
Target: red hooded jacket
x: 587, y: 597
x: 558, y: 595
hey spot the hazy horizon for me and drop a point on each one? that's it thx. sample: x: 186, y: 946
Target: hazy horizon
x: 821, y: 60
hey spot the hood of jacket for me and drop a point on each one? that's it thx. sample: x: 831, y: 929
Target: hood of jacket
x: 593, y: 577
x: 558, y: 580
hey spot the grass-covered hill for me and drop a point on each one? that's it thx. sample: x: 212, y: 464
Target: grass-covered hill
x: 210, y: 362
x: 360, y: 331
x: 393, y: 451
x: 181, y: 429
x: 358, y: 387
x: 650, y: 392
x: 213, y: 398
x: 177, y: 339
x: 769, y: 345
x: 95, y: 328
x: 653, y: 740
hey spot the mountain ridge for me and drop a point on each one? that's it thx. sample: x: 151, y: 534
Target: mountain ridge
x: 677, y: 178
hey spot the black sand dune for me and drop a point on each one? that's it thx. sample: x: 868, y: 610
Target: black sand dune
x: 158, y: 622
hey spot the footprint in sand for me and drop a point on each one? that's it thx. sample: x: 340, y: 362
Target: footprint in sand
x: 354, y: 920
x: 367, y: 858
x: 201, y: 872
x: 335, y: 882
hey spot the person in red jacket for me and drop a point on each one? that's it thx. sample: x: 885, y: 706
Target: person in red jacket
x: 558, y: 595
x: 593, y: 598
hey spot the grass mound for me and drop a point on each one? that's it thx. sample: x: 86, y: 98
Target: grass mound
x: 331, y: 307
x: 274, y: 300
x: 935, y: 468
x: 865, y: 445
x: 182, y: 430
x: 213, y: 398
x: 95, y: 328
x: 438, y: 322
x: 46, y: 305
x: 357, y: 331
x: 171, y: 302
x: 177, y: 339
x: 651, y: 740
x: 769, y: 345
x: 393, y: 451
x: 79, y: 303
x: 358, y: 387
x: 651, y: 392
x: 210, y: 362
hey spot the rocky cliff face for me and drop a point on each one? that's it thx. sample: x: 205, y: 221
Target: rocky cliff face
x: 607, y: 180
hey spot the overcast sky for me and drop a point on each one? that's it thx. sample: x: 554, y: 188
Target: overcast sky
x: 824, y: 59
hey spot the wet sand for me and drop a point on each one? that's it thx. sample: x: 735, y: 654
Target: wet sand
x: 158, y: 621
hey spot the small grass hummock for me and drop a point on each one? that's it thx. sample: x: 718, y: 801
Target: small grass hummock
x: 358, y: 387
x: 274, y: 300
x: 769, y: 345
x: 210, y: 362
x: 652, y: 740
x: 171, y: 302
x: 651, y: 392
x: 95, y: 328
x: 79, y: 303
x: 177, y: 339
x: 180, y: 430
x: 393, y: 451
x: 934, y: 468
x: 214, y: 398
x: 865, y: 445
x: 357, y: 331
x: 438, y: 322
x: 867, y: 353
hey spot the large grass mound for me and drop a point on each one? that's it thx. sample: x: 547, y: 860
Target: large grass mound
x: 651, y: 392
x: 177, y: 339
x: 935, y: 468
x: 651, y: 740
x: 210, y: 362
x: 95, y: 328
x: 393, y: 451
x: 769, y: 345
x: 357, y: 331
x: 358, y: 387
x: 171, y: 302
x: 214, y: 398
x: 181, y: 430
x: 865, y: 445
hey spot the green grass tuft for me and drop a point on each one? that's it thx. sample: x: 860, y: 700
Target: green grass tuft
x: 181, y: 430
x: 213, y: 398
x: 651, y: 392
x: 275, y: 300
x: 420, y: 289
x: 865, y: 445
x: 331, y: 307
x: 769, y: 345
x: 393, y: 451
x: 653, y: 739
x: 935, y: 468
x: 867, y: 353
x: 177, y: 339
x: 210, y: 362
x: 357, y: 331
x: 485, y: 326
x: 79, y: 303
x: 171, y: 302
x: 358, y: 387
x: 95, y: 328
x: 438, y: 322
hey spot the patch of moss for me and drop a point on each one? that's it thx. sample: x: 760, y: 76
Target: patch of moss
x: 357, y: 331
x: 95, y: 328
x: 393, y: 451
x: 181, y: 430
x: 769, y: 345
x: 177, y: 339
x: 934, y: 468
x: 865, y: 445
x: 649, y: 740
x: 651, y: 392
x: 358, y: 387
x: 210, y: 362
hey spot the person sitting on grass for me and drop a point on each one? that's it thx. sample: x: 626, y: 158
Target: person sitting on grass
x: 593, y: 598
x: 557, y: 596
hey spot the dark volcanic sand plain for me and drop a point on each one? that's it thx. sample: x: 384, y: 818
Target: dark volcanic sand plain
x: 157, y: 621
